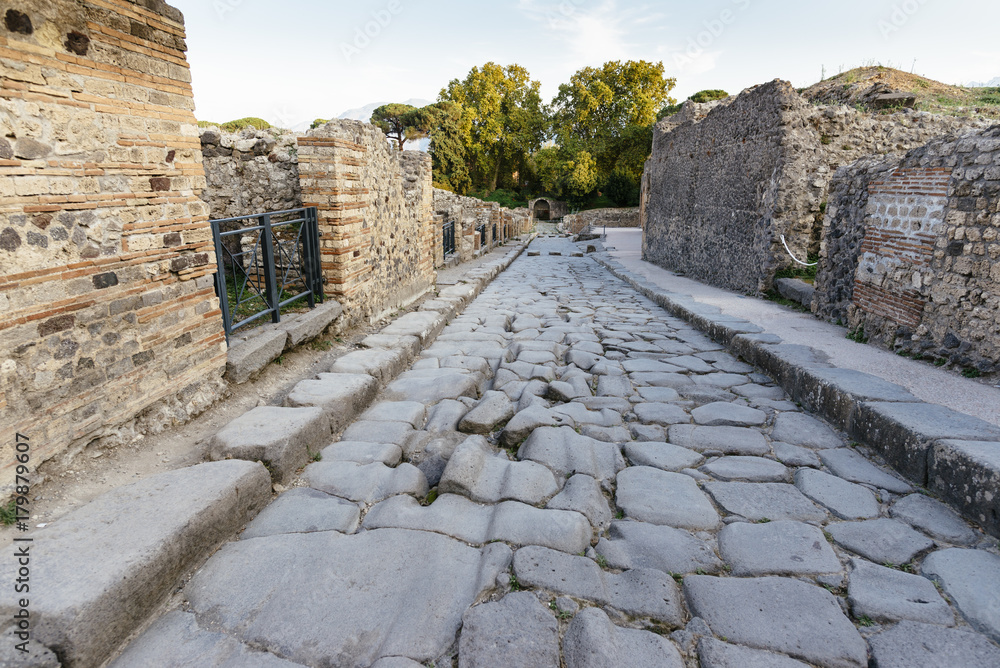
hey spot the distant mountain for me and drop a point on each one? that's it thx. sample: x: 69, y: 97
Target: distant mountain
x: 365, y: 113
x: 989, y: 84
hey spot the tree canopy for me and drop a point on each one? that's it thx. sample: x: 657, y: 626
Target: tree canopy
x: 503, y: 122
x: 400, y: 122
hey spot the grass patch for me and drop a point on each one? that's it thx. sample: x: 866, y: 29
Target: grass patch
x: 8, y: 513
x: 858, y: 335
x: 972, y: 373
x: 775, y: 296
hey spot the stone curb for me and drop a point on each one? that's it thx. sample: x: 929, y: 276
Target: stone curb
x: 954, y: 455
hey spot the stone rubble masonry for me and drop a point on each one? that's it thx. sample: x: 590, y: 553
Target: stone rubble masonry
x: 107, y: 304
x: 911, y: 250
x: 376, y: 224
x: 469, y: 213
x: 727, y: 179
x: 597, y: 219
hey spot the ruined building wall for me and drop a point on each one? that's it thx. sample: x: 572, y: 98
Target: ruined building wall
x: 911, y: 250
x: 106, y: 279
x: 374, y: 246
x: 725, y: 181
x: 250, y: 172
x: 468, y: 214
x: 598, y: 218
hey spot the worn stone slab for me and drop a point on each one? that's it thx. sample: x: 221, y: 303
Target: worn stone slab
x: 777, y: 548
x: 592, y: 641
x: 933, y: 518
x: 582, y: 493
x: 727, y: 440
x: 794, y: 455
x: 886, y: 595
x: 477, y: 472
x: 844, y: 499
x: 660, y: 497
x: 304, y: 510
x: 804, y: 430
x: 563, y: 392
x: 281, y: 438
x: 527, y: 421
x: 515, y: 632
x: 836, y: 392
x: 640, y: 592
x: 905, y: 433
x: 366, y: 483
x: 883, y: 541
x: 672, y: 381
x: 425, y: 325
x: 779, y: 615
x: 566, y: 452
x: 494, y: 409
x: 381, y: 364
x: 658, y: 394
x: 972, y: 579
x: 661, y: 414
x: 914, y: 645
x: 430, y: 386
x: 411, y: 412
x: 665, y: 456
x: 386, y: 593
x: 749, y: 469
x: 717, y: 654
x: 966, y: 474
x: 246, y: 358
x: 851, y: 465
x: 306, y: 326
x: 372, y: 431
x: 410, y: 345
x: 460, y: 518
x: 445, y: 416
x: 764, y: 500
x: 175, y: 639
x: 642, y: 545
x: 110, y: 563
x: 342, y: 396
x: 360, y: 452
x: 397, y: 662
x: 614, y: 386
x: 728, y: 415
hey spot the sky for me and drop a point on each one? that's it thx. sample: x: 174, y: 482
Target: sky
x: 292, y: 61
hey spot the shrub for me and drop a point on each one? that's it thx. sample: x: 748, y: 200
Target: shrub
x: 318, y: 123
x: 245, y: 123
x: 623, y: 188
x: 708, y: 95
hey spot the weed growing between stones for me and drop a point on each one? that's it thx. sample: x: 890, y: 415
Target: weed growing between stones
x: 858, y: 335
x: 866, y: 621
x: 514, y: 584
x: 8, y: 513
x: 972, y: 373
x: 602, y: 561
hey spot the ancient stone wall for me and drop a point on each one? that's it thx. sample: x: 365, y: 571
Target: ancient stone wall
x: 727, y: 180
x: 599, y: 218
x: 250, y: 172
x: 911, y: 250
x: 375, y: 224
x: 469, y: 214
x: 106, y: 273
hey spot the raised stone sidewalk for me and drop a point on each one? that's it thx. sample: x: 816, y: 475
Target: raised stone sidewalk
x: 569, y: 476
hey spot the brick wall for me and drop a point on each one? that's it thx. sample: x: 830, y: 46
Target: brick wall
x: 375, y: 223
x: 468, y: 214
x: 917, y: 238
x: 106, y: 287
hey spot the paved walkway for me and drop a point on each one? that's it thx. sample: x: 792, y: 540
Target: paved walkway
x: 570, y: 477
x: 924, y: 381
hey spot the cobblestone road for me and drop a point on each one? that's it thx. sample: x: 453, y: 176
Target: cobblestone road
x: 570, y: 477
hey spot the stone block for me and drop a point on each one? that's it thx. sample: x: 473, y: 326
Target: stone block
x: 112, y: 562
x: 967, y: 475
x: 304, y: 510
x: 796, y: 290
x: 515, y: 632
x: 303, y: 327
x: 904, y: 433
x: 381, y: 364
x: 592, y: 641
x: 281, y: 438
x: 836, y: 393
x: 246, y: 358
x: 477, y: 472
x: 425, y: 325
x: 972, y: 579
x: 341, y: 396
x: 365, y: 483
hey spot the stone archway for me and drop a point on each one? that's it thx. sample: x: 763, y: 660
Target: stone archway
x: 542, y: 210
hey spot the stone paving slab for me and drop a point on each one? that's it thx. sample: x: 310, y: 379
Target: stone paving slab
x: 779, y: 615
x: 566, y: 452
x: 365, y: 483
x: 480, y: 474
x: 592, y: 641
x: 641, y: 545
x: 110, y: 563
x: 764, y: 501
x: 777, y: 548
x: 281, y: 438
x: 515, y: 632
x: 660, y: 497
x: 933, y: 518
x: 304, y: 510
x: 716, y: 654
x: 913, y: 645
x: 342, y: 396
x: 883, y: 541
x: 887, y: 595
x: 972, y: 579
x: 353, y: 610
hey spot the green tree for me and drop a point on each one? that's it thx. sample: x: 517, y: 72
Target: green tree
x: 400, y: 123
x: 503, y: 122
x: 319, y: 122
x: 623, y: 188
x: 609, y: 111
x: 703, y: 96
x: 442, y: 122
